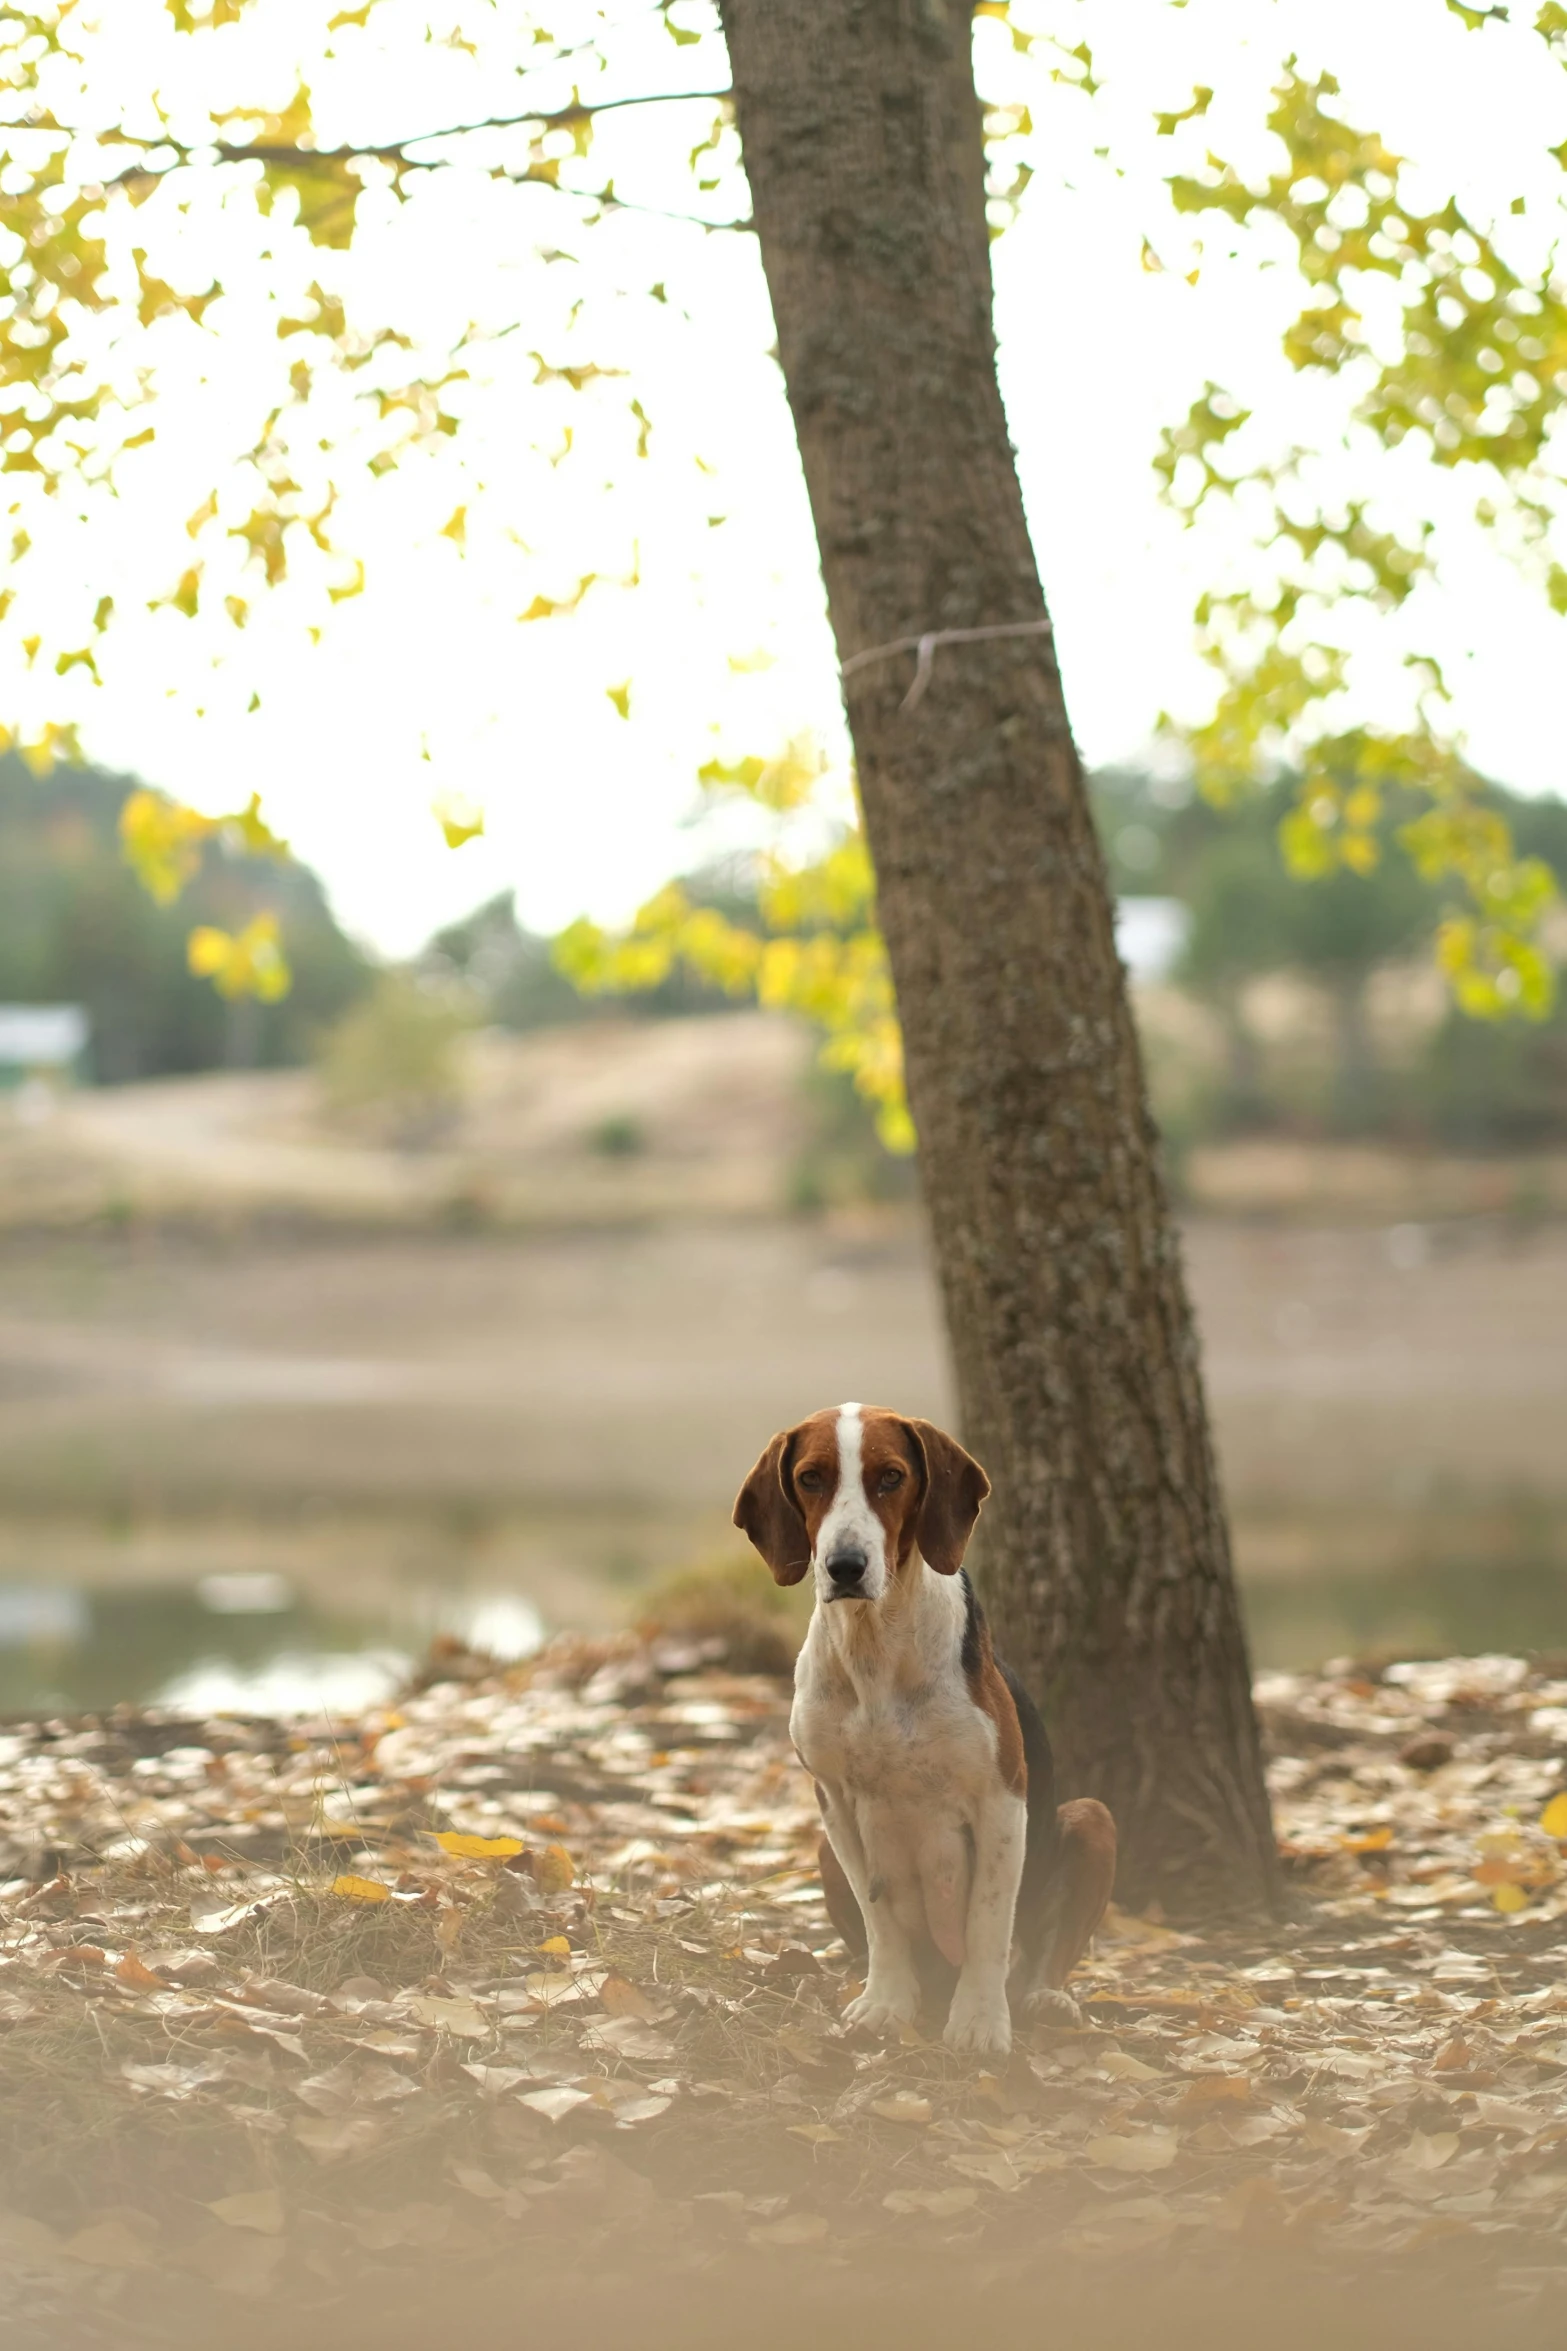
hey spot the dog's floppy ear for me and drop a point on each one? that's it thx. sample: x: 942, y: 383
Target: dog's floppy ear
x: 765, y: 1511
x: 955, y: 1486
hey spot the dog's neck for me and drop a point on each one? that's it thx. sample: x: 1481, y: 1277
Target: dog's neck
x: 912, y: 1634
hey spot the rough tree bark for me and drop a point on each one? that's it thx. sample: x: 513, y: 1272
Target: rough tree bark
x: 1106, y: 1561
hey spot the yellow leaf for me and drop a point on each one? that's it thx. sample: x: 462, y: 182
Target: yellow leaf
x: 555, y: 1871
x: 557, y: 1947
x: 1509, y: 1898
x: 242, y: 963
x: 361, y: 1890
x: 1554, y: 1818
x: 460, y: 819
x: 455, y: 527
x: 261, y: 2210
x: 816, y: 2134
x: 477, y: 1848
x: 621, y: 697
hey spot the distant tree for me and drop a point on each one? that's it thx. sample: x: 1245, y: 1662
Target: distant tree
x: 1249, y: 917
x: 393, y: 1062
x: 77, y: 927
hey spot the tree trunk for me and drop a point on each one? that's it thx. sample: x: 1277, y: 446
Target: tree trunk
x: 1106, y: 1559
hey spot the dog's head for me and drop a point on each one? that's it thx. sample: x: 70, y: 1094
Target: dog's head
x: 856, y: 1494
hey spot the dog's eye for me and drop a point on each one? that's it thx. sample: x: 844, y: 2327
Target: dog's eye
x: 889, y: 1481
x: 809, y: 1481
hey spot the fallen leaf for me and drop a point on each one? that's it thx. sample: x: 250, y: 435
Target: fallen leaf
x: 554, y: 1870
x: 1554, y: 1818
x: 1505, y: 2114
x: 555, y: 2104
x: 557, y: 1947
x: 795, y: 2228
x: 352, y: 1889
x: 935, y: 2203
x: 496, y: 2080
x: 178, y: 2082
x: 1148, y: 2151
x: 291, y: 1999
x: 1214, y: 2089
x: 816, y: 2134
x: 109, y: 2244
x: 902, y: 2106
x: 622, y: 1998
x: 627, y: 2038
x: 329, y: 2140
x: 235, y: 2264
x: 462, y: 2017
x: 477, y: 2182
x: 464, y: 1848
x: 261, y: 2209
x: 134, y: 1972
x: 988, y: 2164
x: 1509, y: 1898
x: 1124, y: 2068
x: 220, y: 1918
x: 1427, y: 2151
x: 629, y: 2112
x: 1349, y: 2064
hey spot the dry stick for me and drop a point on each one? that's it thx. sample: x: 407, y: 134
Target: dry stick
x: 925, y: 648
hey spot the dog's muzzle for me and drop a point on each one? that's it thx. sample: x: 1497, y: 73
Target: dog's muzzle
x: 846, y: 1571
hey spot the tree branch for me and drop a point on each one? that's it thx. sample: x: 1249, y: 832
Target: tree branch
x: 395, y: 150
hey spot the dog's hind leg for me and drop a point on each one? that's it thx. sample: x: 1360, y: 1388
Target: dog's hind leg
x: 1081, y: 1877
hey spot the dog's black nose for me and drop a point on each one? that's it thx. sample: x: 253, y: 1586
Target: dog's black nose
x: 847, y: 1565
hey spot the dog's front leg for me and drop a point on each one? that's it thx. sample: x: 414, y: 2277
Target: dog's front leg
x: 979, y: 2019
x: 891, y: 1997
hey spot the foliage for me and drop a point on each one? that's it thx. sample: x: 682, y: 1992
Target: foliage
x: 1445, y: 332
x: 1450, y: 1082
x: 812, y: 946
x: 145, y: 159
x: 516, y: 983
x: 76, y: 927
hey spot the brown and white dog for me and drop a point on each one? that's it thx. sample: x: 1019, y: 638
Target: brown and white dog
x: 944, y: 1846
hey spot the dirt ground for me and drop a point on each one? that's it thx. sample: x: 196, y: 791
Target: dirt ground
x: 512, y: 2007
x: 1416, y: 1366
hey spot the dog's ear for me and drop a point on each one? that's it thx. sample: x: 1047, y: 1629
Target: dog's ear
x: 765, y: 1511
x: 955, y: 1486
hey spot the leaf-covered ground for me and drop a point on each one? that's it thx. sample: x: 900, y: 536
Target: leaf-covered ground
x: 530, y: 1977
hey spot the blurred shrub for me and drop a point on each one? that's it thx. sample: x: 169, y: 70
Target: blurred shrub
x: 620, y: 1136
x: 843, y: 1160
x: 394, y: 1061
x: 733, y: 1600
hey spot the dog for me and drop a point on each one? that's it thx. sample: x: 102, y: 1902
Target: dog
x: 947, y: 1865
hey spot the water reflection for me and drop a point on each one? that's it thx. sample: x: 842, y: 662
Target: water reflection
x: 299, y: 1636
x: 236, y: 1642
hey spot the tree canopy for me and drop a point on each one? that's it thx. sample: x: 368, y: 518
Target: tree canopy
x: 179, y: 167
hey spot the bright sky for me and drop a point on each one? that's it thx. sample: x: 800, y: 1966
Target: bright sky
x: 427, y: 681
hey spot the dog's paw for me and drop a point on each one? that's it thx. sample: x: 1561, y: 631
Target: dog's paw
x: 878, y: 2010
x: 1058, y: 2008
x: 979, y: 2027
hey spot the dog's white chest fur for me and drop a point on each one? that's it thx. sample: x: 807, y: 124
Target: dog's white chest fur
x: 884, y: 1722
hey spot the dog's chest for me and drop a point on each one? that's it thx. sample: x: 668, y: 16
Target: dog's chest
x: 898, y: 1739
